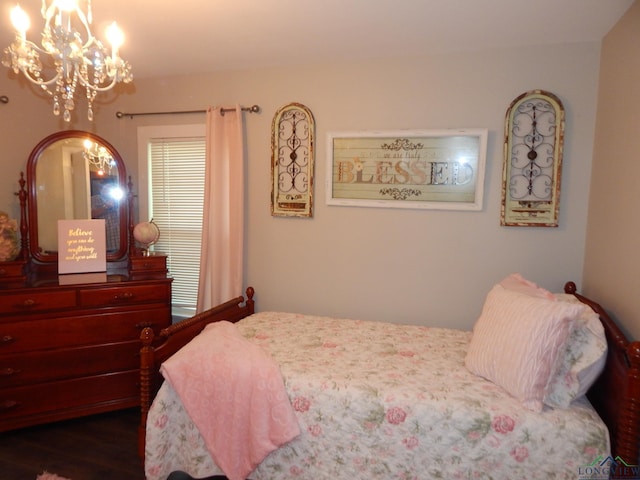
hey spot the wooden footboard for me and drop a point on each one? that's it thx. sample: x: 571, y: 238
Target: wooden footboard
x: 616, y: 393
x: 156, y: 349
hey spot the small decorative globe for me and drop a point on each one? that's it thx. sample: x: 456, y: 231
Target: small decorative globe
x: 147, y: 233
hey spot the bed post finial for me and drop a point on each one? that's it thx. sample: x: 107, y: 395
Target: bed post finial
x: 570, y: 287
x: 250, y: 302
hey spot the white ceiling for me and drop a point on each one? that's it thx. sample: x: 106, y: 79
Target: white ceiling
x: 193, y: 36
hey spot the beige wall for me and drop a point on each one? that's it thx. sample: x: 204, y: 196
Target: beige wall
x: 612, y: 261
x: 431, y: 267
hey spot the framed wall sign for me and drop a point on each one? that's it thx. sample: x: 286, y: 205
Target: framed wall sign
x: 292, y: 160
x: 425, y: 169
x: 533, y: 145
x: 82, y: 246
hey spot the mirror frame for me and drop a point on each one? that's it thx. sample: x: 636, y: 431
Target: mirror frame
x: 32, y: 201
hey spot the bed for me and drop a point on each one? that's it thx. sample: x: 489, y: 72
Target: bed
x: 367, y: 407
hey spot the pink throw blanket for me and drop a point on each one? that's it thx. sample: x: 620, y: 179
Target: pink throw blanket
x: 234, y: 393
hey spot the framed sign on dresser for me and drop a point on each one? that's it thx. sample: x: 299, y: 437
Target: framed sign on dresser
x: 69, y: 343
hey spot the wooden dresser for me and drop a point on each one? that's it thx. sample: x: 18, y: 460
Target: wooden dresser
x: 68, y: 350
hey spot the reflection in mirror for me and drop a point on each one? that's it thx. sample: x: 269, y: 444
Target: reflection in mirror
x: 75, y: 175
x: 106, y: 195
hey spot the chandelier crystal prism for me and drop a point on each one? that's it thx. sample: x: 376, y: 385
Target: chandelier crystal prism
x: 69, y: 55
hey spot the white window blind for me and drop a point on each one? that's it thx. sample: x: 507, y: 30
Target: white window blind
x: 176, y: 197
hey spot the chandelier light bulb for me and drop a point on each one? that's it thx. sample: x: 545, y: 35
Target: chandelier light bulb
x: 20, y: 20
x: 115, y: 35
x: 69, y: 57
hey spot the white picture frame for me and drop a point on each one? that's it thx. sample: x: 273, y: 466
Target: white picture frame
x: 418, y: 169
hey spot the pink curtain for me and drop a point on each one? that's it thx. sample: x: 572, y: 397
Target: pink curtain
x: 221, y: 257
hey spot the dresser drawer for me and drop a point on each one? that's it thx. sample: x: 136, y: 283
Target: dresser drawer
x: 31, y: 302
x: 148, y: 263
x: 10, y: 271
x: 50, y: 365
x: 82, y: 330
x: 124, y: 295
x: 68, y: 398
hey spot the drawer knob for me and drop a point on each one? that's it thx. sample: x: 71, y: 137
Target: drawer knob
x: 6, y: 339
x: 28, y: 303
x: 123, y: 297
x: 7, y: 372
x: 7, y: 404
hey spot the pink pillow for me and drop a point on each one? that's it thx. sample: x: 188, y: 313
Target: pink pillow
x: 516, y: 283
x: 516, y: 342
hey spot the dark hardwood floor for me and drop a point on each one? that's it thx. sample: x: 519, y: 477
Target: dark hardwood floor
x: 100, y: 447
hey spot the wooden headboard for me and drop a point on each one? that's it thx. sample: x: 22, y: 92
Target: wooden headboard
x: 616, y: 393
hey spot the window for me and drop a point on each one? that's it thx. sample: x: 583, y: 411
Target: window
x: 172, y: 169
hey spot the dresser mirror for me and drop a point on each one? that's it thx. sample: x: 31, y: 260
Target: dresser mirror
x: 75, y: 175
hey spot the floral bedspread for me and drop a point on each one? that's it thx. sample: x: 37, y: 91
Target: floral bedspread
x: 385, y: 401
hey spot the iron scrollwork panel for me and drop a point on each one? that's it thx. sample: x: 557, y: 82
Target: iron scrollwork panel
x: 292, y: 161
x: 534, y: 136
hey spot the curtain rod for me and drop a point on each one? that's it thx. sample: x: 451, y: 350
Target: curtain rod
x: 251, y: 109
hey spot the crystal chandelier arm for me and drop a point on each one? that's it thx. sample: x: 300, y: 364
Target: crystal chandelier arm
x: 24, y: 57
x: 39, y: 81
x: 31, y: 45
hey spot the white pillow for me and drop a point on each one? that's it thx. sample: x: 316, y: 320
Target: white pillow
x: 516, y: 342
x: 581, y: 361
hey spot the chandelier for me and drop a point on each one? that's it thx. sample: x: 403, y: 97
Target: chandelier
x: 69, y: 55
x: 98, y: 156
